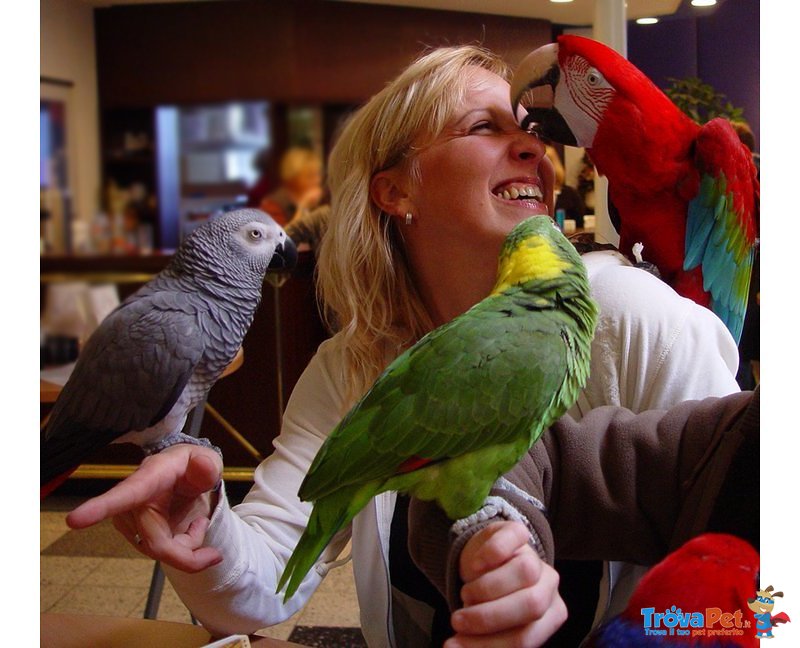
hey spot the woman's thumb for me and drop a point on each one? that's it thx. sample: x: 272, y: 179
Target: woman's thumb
x: 203, y: 473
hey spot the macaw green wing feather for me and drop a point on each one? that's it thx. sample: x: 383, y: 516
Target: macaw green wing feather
x: 420, y: 408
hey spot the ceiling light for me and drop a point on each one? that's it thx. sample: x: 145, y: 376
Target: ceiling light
x: 560, y: 1
x: 646, y: 21
x: 703, y: 3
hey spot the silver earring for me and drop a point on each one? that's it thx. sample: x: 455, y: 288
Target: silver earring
x: 409, y: 218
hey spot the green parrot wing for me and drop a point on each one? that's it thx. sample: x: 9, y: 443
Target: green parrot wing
x: 463, y: 387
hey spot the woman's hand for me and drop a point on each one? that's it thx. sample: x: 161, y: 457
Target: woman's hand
x: 165, y: 505
x: 510, y: 595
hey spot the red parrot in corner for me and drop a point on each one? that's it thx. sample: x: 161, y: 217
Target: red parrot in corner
x: 711, y: 575
x: 689, y: 193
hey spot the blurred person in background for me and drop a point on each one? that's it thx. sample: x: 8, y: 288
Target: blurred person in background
x: 259, y: 191
x: 567, y: 198
x: 416, y: 222
x: 586, y: 183
x: 301, y: 186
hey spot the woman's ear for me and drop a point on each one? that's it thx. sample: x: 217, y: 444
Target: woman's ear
x: 388, y: 191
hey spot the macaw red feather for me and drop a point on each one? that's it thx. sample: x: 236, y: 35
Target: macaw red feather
x: 655, y: 159
x: 713, y: 570
x: 710, y: 570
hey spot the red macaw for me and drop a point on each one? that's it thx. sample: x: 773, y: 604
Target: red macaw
x: 697, y: 596
x: 689, y: 193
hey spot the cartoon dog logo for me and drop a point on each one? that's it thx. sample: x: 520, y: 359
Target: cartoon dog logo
x: 762, y: 606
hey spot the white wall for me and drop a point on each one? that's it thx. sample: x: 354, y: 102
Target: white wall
x: 67, y: 52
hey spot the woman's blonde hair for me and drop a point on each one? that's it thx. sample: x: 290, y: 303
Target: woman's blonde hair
x: 363, y: 278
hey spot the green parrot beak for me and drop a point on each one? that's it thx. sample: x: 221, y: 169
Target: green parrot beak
x: 534, y: 87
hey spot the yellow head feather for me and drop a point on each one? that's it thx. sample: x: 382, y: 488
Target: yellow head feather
x: 531, y: 253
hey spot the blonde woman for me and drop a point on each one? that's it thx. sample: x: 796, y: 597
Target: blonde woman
x: 426, y: 181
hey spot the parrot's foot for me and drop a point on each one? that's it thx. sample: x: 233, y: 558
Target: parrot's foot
x: 175, y: 439
x: 493, y: 509
x: 637, y: 252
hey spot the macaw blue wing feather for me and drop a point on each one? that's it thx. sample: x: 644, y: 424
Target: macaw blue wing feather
x: 722, y: 221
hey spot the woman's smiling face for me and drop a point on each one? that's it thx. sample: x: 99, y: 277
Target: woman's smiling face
x: 483, y: 174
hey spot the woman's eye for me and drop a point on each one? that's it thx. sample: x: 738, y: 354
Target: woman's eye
x: 480, y: 126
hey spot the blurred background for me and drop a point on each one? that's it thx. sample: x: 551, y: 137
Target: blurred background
x: 153, y: 115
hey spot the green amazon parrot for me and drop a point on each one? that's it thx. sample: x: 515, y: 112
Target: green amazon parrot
x: 460, y: 408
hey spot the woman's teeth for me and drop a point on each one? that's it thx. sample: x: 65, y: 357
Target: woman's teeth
x: 517, y: 193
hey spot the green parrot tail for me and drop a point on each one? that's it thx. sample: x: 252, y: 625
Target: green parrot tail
x: 305, y: 554
x: 329, y: 515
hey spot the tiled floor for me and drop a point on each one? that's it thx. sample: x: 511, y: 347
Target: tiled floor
x: 97, y: 572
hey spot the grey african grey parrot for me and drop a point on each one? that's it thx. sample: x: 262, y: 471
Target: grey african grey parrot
x: 155, y: 357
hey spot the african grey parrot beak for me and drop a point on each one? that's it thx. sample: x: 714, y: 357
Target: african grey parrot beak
x: 285, y: 256
x: 534, y: 86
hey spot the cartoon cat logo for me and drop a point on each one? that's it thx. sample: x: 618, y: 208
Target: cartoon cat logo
x: 762, y: 606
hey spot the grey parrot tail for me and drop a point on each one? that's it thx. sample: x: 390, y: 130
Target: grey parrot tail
x: 61, y: 454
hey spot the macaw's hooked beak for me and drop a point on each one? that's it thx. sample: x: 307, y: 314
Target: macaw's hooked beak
x: 285, y: 256
x: 534, y: 87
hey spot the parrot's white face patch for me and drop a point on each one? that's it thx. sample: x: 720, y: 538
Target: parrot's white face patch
x: 582, y: 97
x: 260, y: 239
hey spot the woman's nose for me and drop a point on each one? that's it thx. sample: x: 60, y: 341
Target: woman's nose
x: 527, y: 147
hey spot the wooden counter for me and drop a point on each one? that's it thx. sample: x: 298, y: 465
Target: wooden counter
x: 250, y: 398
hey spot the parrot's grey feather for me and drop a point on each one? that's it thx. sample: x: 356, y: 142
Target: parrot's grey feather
x: 136, y: 380
x: 157, y: 355
x: 172, y: 397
